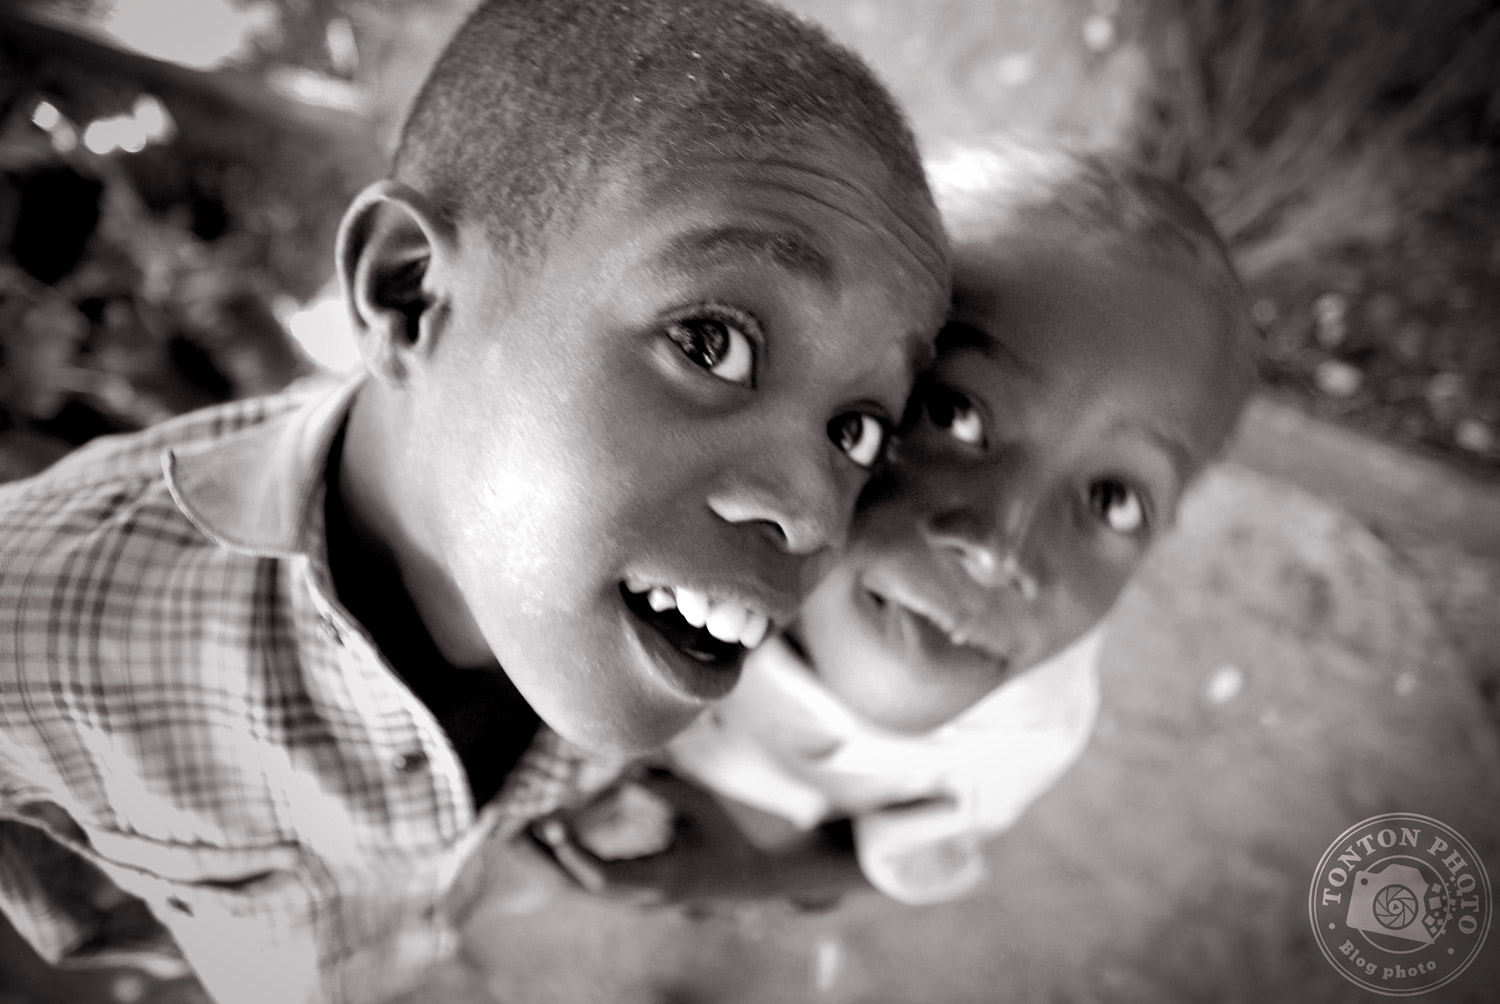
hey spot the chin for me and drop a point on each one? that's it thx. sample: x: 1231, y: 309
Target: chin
x: 618, y: 735
x: 906, y: 720
x: 601, y: 692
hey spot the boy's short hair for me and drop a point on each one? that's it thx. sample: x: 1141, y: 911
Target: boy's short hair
x: 536, y: 104
x: 1006, y: 187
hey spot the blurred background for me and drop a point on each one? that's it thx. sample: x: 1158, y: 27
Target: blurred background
x: 172, y: 171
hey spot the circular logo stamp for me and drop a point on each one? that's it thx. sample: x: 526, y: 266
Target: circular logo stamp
x: 1400, y: 904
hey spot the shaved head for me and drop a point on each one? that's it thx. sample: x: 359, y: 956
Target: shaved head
x: 535, y: 105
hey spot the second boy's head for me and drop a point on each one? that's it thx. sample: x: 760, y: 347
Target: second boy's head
x: 649, y: 285
x: 1097, y: 357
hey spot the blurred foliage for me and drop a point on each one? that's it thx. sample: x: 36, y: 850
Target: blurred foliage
x: 292, y: 32
x: 1350, y: 152
x: 1311, y: 124
x: 139, y: 283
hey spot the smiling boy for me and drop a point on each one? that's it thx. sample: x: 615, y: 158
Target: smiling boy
x: 644, y: 293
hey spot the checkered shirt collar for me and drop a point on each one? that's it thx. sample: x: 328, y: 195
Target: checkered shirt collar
x: 259, y: 491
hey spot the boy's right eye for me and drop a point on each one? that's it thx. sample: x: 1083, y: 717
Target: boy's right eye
x: 717, y: 340
x: 861, y: 436
x: 1117, y: 505
x: 954, y: 413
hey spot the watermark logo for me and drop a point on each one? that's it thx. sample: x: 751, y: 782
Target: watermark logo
x: 1400, y: 904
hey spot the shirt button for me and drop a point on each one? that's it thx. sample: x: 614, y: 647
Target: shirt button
x: 411, y: 761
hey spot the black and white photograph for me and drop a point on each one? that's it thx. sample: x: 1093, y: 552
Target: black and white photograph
x: 749, y: 501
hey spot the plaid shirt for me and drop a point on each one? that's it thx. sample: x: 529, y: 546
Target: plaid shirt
x: 187, y: 710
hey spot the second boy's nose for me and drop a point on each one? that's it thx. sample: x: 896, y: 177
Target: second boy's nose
x: 987, y: 555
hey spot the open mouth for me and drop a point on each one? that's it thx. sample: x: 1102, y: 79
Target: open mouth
x: 938, y: 636
x: 713, y: 632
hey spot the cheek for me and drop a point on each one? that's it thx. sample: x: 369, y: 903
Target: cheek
x: 1087, y: 578
x: 829, y: 619
x: 535, y: 524
x: 890, y: 513
x: 840, y: 642
x: 852, y: 660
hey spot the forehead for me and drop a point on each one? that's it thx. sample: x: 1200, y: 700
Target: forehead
x: 1081, y: 330
x: 840, y: 263
x: 826, y: 190
x: 825, y: 219
x: 1057, y: 302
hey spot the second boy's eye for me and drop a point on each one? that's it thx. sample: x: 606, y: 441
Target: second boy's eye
x: 717, y: 343
x: 862, y: 437
x: 951, y: 411
x: 1117, y: 505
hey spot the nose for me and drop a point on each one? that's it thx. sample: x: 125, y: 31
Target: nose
x: 987, y: 543
x: 803, y: 508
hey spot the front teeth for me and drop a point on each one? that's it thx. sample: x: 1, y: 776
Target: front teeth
x: 755, y: 630
x: 726, y: 620
x: 693, y: 606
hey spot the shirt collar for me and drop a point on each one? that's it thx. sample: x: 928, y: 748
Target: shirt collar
x: 257, y: 491
x: 1060, y: 688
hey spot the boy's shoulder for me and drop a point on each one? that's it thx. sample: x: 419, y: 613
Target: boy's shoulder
x: 103, y: 516
x: 131, y: 633
x: 136, y: 457
x: 98, y: 551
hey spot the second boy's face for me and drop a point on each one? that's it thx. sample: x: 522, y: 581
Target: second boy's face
x: 667, y: 422
x: 1072, y: 401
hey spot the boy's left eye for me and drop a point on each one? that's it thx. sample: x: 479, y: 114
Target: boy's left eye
x: 1117, y: 505
x: 861, y: 436
x: 719, y: 344
x: 954, y: 413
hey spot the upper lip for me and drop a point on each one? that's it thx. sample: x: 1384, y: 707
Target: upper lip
x: 778, y: 605
x: 965, y: 628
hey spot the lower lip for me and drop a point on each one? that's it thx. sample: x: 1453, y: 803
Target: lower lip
x: 699, y: 682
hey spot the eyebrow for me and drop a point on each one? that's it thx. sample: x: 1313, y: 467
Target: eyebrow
x: 960, y: 335
x: 1176, y: 451
x: 711, y: 246
x: 728, y: 244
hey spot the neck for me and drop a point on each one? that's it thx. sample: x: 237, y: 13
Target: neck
x: 394, y: 586
x: 373, y: 496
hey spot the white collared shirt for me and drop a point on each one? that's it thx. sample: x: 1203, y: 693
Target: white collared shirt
x: 783, y: 743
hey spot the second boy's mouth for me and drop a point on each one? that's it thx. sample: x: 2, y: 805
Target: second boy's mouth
x: 917, y: 620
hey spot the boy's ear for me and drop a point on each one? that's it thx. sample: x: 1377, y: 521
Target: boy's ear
x: 388, y: 243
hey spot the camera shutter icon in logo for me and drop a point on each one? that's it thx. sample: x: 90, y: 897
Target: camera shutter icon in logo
x: 1398, y: 901
x: 1395, y: 907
